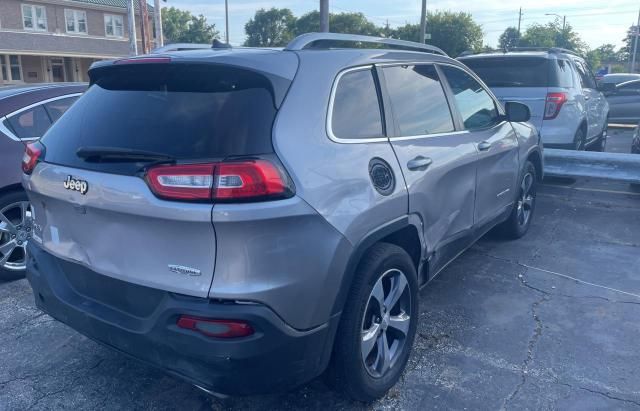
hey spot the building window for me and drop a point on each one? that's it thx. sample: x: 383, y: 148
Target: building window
x: 11, y: 68
x: 113, y: 26
x: 76, y: 21
x: 34, y: 17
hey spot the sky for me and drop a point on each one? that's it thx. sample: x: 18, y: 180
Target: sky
x: 597, y: 22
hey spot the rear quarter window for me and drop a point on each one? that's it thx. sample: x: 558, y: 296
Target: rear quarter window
x: 356, y: 111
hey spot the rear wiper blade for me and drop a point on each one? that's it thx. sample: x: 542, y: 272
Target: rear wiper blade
x: 118, y: 154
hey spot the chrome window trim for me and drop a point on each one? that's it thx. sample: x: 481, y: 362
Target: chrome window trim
x: 10, y: 134
x: 329, y: 124
x: 417, y: 137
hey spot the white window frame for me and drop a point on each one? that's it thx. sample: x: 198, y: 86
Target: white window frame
x: 111, y: 19
x: 5, y: 62
x: 75, y: 15
x: 34, y: 17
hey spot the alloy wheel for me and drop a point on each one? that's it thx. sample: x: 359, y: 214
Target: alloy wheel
x: 15, y: 231
x: 386, y: 322
x: 526, y: 199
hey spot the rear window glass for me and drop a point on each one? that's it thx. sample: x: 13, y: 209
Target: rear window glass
x: 356, y: 108
x: 564, y: 73
x: 511, y: 71
x: 189, y: 112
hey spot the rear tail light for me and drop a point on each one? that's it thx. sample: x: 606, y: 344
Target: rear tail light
x: 182, y: 182
x: 231, y: 181
x: 32, y: 154
x: 553, y: 104
x: 216, y: 328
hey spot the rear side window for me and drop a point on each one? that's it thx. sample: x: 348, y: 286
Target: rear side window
x: 419, y: 103
x: 511, y: 71
x: 189, y: 112
x: 356, y: 107
x: 476, y: 107
x: 563, y: 73
x: 32, y: 123
x: 586, y: 79
x: 56, y: 108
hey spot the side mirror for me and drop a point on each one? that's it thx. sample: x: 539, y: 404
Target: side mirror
x: 517, y: 112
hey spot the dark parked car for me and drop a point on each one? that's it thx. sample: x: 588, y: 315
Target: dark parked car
x: 26, y: 112
x: 624, y: 103
x: 617, y: 78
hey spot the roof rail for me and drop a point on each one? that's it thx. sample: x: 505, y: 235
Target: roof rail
x: 307, y: 40
x: 547, y: 49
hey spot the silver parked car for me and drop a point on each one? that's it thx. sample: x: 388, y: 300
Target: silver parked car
x: 26, y: 112
x: 559, y: 88
x: 248, y: 218
x: 624, y: 103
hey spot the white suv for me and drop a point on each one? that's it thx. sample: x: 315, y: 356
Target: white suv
x: 559, y: 88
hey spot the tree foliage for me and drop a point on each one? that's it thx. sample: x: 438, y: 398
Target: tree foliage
x: 270, y: 28
x: 180, y: 26
x: 453, y: 32
x: 552, y: 35
x: 509, y: 39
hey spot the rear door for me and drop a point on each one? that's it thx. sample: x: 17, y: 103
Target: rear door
x: 100, y: 211
x: 438, y: 160
x: 594, y: 101
x: 495, y: 140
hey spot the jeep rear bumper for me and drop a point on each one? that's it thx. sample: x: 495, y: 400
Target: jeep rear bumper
x: 141, y: 322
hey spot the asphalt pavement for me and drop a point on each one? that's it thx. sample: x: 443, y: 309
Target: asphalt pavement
x: 546, y: 322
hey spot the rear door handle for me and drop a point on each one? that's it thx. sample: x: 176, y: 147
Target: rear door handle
x: 484, y: 146
x: 419, y: 163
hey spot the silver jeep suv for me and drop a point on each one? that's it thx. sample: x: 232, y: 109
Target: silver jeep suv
x: 249, y: 218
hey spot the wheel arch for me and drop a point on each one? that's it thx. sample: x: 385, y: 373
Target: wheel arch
x: 11, y: 188
x: 536, y: 158
x: 401, y: 232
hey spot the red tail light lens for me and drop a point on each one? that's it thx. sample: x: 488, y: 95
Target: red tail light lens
x: 32, y: 154
x: 232, y: 181
x: 253, y: 179
x: 553, y: 105
x: 216, y: 328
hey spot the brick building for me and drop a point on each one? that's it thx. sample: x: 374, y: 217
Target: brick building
x: 57, y: 40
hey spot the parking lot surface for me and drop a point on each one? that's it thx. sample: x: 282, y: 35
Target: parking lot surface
x: 546, y: 322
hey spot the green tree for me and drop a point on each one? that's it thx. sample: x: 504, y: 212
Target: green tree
x: 453, y: 32
x: 270, y: 28
x: 180, y: 26
x: 553, y: 35
x: 625, y: 52
x: 509, y: 38
x: 603, y: 55
x: 350, y: 23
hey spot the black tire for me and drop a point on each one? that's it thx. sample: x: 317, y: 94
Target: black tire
x: 515, y: 227
x: 347, y: 370
x: 6, y: 200
x: 600, y: 144
x: 579, y: 140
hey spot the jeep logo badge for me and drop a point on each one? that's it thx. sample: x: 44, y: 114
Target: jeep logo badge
x: 76, y: 185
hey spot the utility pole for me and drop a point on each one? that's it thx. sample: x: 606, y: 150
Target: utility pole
x: 226, y: 20
x: 564, y: 27
x: 519, y: 20
x: 423, y: 21
x: 157, y: 17
x: 635, y: 46
x: 324, y: 16
x: 133, y: 42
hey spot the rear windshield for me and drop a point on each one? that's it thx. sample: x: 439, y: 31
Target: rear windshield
x: 189, y: 112
x: 513, y: 71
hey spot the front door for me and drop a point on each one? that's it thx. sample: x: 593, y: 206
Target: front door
x: 58, y: 74
x: 438, y: 160
x: 495, y: 140
x: 594, y: 101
